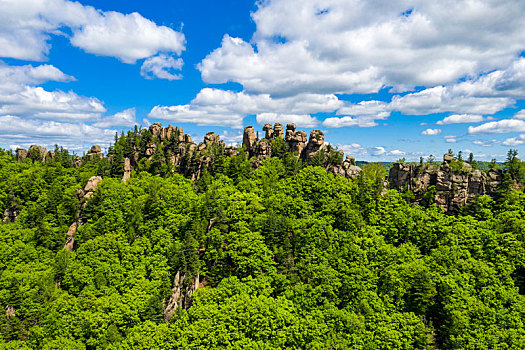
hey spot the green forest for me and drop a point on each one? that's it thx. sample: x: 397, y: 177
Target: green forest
x: 282, y: 256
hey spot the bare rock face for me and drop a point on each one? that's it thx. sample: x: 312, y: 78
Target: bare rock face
x: 37, y: 153
x: 95, y: 152
x: 70, y: 236
x: 278, y: 130
x: 155, y: 129
x: 10, y: 214
x: 21, y: 154
x: 127, y: 170
x: 248, y: 138
x: 447, y: 158
x: 181, y: 294
x: 296, y: 140
x: 452, y: 189
x: 210, y: 138
x: 10, y: 312
x: 150, y: 149
x: 315, y: 143
x: 92, y: 183
x: 269, y: 131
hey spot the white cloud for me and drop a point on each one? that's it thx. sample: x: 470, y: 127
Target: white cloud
x: 302, y: 120
x: 339, y: 122
x: 74, y: 136
x: 231, y: 137
x: 27, y: 24
x: 361, y: 46
x: 520, y: 115
x: 202, y: 117
x: 485, y: 143
x: 431, y: 132
x: 515, y: 141
x: 450, y: 139
x: 19, y: 95
x: 498, y: 127
x: 353, y: 149
x: 377, y: 151
x: 228, y: 108
x: 396, y: 152
x: 461, y: 118
x: 161, y: 66
x: 124, y: 118
x: 363, y: 114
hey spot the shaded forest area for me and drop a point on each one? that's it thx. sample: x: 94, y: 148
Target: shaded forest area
x: 285, y: 256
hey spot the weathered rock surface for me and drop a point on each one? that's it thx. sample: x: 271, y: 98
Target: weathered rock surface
x: 453, y: 189
x: 10, y: 214
x: 92, y: 183
x: 127, y: 170
x: 83, y: 195
x: 95, y: 152
x: 181, y: 294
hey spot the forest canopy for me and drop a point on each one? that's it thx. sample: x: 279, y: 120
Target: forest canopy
x: 282, y: 256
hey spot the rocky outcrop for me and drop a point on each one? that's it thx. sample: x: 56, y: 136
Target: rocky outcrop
x: 83, y: 196
x: 127, y: 170
x: 452, y: 185
x: 181, y: 294
x: 95, y: 152
x: 10, y: 214
x: 10, y: 311
x: 304, y: 149
x: 21, y: 154
x: 248, y: 138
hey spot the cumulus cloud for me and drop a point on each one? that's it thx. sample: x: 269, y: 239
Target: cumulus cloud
x: 396, y: 152
x: 378, y: 151
x: 515, y: 141
x: 485, y: 143
x: 520, y: 115
x: 124, y: 118
x: 162, y: 67
x: 354, y: 149
x: 228, y: 108
x: 303, y: 120
x: 74, y: 136
x: 498, y: 127
x: 19, y: 95
x: 27, y: 24
x: 461, y: 118
x: 450, y: 139
x: 431, y: 132
x: 361, y: 46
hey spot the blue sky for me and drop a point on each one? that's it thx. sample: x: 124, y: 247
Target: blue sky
x: 382, y: 79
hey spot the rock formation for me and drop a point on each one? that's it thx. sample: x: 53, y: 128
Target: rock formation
x: 95, y: 152
x: 127, y: 170
x: 10, y: 214
x: 305, y: 150
x: 83, y: 195
x: 454, y: 183
x: 181, y: 294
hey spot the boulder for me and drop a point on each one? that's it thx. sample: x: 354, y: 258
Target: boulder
x: 92, y: 183
x: 447, y: 157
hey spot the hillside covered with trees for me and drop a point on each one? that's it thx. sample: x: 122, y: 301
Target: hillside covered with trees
x: 285, y: 255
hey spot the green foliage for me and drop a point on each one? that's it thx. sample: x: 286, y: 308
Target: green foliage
x: 288, y: 256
